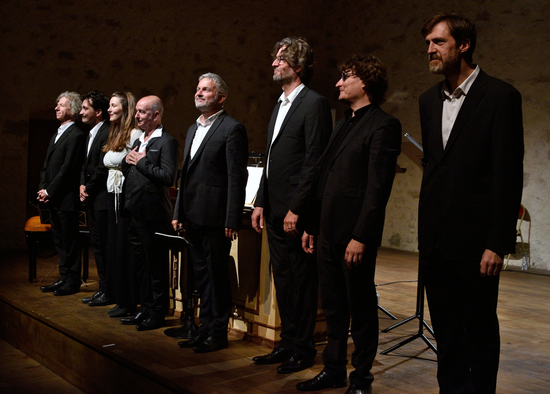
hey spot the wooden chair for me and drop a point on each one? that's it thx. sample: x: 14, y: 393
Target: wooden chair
x: 524, y: 243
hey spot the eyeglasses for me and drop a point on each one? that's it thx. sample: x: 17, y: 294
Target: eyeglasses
x: 279, y: 60
x: 346, y: 76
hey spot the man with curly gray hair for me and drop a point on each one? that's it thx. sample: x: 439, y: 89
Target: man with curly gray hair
x: 297, y: 134
x: 59, y: 188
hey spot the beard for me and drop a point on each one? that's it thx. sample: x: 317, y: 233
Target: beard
x: 205, y: 105
x: 282, y: 77
x: 439, y: 66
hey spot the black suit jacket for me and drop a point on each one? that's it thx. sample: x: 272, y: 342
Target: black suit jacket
x: 471, y: 191
x: 60, y: 175
x: 294, y: 153
x: 212, y: 186
x: 147, y: 185
x: 94, y: 173
x: 358, y: 182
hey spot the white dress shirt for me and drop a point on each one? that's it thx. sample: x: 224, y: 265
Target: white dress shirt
x: 93, y: 133
x: 62, y: 129
x: 286, y: 103
x: 452, y: 103
x: 202, y: 130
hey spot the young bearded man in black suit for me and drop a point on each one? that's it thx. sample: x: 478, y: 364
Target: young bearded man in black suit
x: 211, y: 201
x: 150, y: 171
x: 472, y: 134
x: 93, y: 187
x: 59, y: 182
x: 352, y: 186
x: 297, y: 134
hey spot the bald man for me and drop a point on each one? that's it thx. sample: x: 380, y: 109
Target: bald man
x: 150, y: 170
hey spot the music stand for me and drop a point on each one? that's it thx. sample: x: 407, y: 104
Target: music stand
x: 189, y: 330
x: 419, y: 314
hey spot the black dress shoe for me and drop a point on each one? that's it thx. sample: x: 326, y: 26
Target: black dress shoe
x: 322, y: 381
x: 193, y: 342
x: 277, y: 356
x: 295, y: 363
x: 211, y: 344
x: 101, y: 300
x: 355, y: 389
x: 86, y: 300
x: 151, y: 323
x: 120, y: 311
x: 52, y: 287
x: 137, y: 319
x: 67, y: 288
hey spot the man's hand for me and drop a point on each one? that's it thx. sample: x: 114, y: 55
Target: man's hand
x: 231, y: 234
x: 258, y: 219
x: 83, y: 194
x: 354, y: 253
x: 134, y: 156
x: 491, y: 263
x: 291, y: 219
x: 308, y: 243
x: 176, y: 225
x: 43, y: 196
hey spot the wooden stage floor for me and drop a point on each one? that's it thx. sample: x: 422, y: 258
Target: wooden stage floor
x: 99, y: 355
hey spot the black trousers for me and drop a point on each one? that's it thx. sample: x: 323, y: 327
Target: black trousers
x: 66, y: 238
x: 463, y: 311
x: 151, y: 263
x: 296, y: 286
x: 208, y: 252
x: 98, y: 226
x: 348, y: 294
x: 121, y: 279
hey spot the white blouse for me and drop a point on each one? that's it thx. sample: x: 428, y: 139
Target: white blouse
x: 113, y: 162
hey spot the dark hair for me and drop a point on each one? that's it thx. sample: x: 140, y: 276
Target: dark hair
x: 372, y: 73
x: 98, y: 101
x: 460, y: 27
x: 297, y: 53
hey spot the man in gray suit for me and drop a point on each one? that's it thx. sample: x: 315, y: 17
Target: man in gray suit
x: 297, y: 134
x: 211, y: 201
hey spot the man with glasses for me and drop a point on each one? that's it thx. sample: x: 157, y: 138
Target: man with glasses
x: 297, y: 134
x: 353, y: 181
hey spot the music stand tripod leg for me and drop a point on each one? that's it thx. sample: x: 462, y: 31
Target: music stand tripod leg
x: 419, y: 314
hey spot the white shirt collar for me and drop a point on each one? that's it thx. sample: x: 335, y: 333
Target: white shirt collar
x: 464, y: 87
x: 292, y: 95
x: 211, y: 119
x: 64, y: 127
x: 157, y: 133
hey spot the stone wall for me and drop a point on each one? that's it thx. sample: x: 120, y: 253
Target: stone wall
x: 162, y: 47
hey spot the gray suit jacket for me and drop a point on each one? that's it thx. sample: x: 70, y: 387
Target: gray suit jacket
x: 212, y: 186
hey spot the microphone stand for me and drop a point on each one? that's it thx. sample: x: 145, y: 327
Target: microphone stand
x: 419, y: 314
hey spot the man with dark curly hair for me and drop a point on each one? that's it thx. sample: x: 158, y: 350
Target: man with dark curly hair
x: 297, y: 134
x: 353, y: 181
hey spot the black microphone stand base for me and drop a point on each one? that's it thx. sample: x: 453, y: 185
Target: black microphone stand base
x: 418, y: 315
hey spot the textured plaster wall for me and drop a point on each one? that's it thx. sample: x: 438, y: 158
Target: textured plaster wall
x: 162, y: 47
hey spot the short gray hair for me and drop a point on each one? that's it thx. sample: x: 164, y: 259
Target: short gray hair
x: 75, y: 102
x: 221, y: 86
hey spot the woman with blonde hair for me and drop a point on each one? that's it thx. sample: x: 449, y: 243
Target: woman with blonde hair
x: 123, y: 133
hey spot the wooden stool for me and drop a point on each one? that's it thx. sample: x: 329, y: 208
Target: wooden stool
x: 35, y: 230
